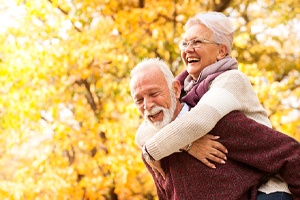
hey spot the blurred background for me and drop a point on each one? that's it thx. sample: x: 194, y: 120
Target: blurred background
x: 67, y: 121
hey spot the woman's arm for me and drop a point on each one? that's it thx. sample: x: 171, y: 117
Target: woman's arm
x: 228, y: 92
x: 144, y: 133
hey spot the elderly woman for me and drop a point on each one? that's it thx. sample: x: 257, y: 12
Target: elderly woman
x: 205, y: 52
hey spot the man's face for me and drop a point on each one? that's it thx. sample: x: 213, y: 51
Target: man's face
x: 153, y: 98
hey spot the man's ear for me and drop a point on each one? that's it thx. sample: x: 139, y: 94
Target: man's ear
x: 222, y: 52
x: 177, y: 88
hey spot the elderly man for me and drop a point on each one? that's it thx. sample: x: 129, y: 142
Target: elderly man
x: 251, y: 159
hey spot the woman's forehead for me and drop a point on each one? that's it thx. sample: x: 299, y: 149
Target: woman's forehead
x: 197, y: 30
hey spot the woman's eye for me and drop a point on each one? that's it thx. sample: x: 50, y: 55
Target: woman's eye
x: 185, y: 44
x: 198, y: 41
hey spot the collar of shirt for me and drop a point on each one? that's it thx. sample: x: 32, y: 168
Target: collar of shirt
x: 184, y: 109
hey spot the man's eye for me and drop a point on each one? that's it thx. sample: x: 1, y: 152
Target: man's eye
x: 139, y: 101
x: 154, y: 94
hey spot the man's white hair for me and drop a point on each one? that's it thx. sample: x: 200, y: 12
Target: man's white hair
x: 218, y: 23
x: 154, y: 63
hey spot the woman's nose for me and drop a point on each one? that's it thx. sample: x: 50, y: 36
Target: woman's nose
x: 189, y: 48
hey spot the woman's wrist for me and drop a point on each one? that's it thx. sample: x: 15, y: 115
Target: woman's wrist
x: 187, y: 147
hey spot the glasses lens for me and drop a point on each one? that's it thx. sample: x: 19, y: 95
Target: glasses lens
x: 183, y: 45
x: 195, y: 43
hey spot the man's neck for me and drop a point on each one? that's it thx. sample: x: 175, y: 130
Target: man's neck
x: 178, y: 109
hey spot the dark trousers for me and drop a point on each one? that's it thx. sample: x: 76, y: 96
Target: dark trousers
x: 274, y: 196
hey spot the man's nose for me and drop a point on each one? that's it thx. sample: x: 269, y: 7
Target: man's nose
x: 148, y: 104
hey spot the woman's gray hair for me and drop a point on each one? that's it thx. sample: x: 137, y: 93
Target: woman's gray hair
x: 153, y: 63
x: 218, y: 23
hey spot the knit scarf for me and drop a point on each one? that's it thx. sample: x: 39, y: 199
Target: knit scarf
x: 192, y: 91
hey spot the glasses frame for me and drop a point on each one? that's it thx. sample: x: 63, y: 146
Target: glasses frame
x: 193, y: 44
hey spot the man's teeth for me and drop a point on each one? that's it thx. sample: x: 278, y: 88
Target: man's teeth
x: 193, y: 59
x: 154, y: 115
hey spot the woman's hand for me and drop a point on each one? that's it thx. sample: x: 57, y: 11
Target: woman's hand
x: 207, y: 149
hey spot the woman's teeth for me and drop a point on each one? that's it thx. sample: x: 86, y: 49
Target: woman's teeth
x: 193, y: 60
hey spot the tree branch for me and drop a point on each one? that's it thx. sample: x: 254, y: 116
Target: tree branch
x: 141, y: 3
x: 220, y: 7
x: 66, y: 13
x: 89, y: 94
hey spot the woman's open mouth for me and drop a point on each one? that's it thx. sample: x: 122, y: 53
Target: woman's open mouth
x: 192, y: 60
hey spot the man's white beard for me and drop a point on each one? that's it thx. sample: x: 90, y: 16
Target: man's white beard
x: 168, y: 114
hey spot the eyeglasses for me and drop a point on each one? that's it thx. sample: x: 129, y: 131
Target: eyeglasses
x: 195, y: 43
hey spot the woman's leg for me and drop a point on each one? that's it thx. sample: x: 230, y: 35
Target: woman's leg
x: 274, y: 196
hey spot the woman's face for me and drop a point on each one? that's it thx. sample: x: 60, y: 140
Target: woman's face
x: 196, y: 59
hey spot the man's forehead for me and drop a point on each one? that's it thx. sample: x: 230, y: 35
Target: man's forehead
x: 153, y: 75
x: 147, y: 83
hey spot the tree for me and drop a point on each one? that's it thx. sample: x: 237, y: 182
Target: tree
x: 67, y: 118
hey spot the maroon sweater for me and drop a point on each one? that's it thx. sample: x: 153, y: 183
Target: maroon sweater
x: 255, y: 152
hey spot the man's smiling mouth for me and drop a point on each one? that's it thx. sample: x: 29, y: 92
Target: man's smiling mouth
x: 152, y: 117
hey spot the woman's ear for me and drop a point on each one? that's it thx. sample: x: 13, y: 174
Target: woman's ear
x: 177, y: 88
x: 222, y: 52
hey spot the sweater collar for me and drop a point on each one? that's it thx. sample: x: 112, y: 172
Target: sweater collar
x: 185, y: 108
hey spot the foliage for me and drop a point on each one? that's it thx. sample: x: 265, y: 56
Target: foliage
x: 67, y: 118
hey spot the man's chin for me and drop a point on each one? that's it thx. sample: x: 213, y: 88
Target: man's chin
x: 156, y: 125
x: 165, y: 120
